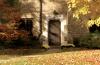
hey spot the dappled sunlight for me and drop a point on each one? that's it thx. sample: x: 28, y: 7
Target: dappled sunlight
x: 27, y: 15
x: 63, y: 25
x: 90, y: 23
x: 81, y: 11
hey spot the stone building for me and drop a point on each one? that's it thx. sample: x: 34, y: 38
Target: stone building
x: 58, y: 25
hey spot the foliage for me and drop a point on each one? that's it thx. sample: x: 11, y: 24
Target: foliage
x: 88, y: 9
x: 3, y: 28
x: 83, y: 11
x: 9, y: 12
x: 91, y: 41
x: 13, y: 38
x: 91, y: 22
x: 12, y: 2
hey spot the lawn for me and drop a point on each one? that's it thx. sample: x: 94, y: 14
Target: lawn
x: 70, y: 56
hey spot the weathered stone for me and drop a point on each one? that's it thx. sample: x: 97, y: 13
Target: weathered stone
x: 31, y: 9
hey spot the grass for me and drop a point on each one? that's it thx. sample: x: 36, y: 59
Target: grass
x: 70, y: 56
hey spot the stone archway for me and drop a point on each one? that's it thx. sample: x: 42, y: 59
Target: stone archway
x: 63, y: 33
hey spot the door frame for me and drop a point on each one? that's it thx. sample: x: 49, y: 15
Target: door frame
x: 64, y: 31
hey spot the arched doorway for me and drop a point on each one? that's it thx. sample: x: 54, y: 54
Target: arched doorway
x: 55, y: 31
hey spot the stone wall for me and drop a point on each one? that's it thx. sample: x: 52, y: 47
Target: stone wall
x: 31, y: 9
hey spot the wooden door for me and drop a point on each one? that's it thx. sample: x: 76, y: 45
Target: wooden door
x: 54, y: 32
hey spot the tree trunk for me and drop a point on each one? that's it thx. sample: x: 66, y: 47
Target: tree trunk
x: 40, y: 18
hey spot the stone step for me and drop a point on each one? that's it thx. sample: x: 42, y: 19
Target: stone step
x: 55, y: 47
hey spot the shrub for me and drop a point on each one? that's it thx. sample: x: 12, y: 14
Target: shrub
x: 3, y: 28
x: 13, y: 38
x: 76, y: 42
x: 92, y: 40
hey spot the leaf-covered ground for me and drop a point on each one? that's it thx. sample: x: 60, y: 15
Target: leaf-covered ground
x: 71, y: 56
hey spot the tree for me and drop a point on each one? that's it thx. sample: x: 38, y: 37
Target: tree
x: 88, y: 9
x: 40, y: 18
x: 9, y: 11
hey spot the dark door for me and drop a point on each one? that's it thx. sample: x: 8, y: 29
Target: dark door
x: 54, y: 32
